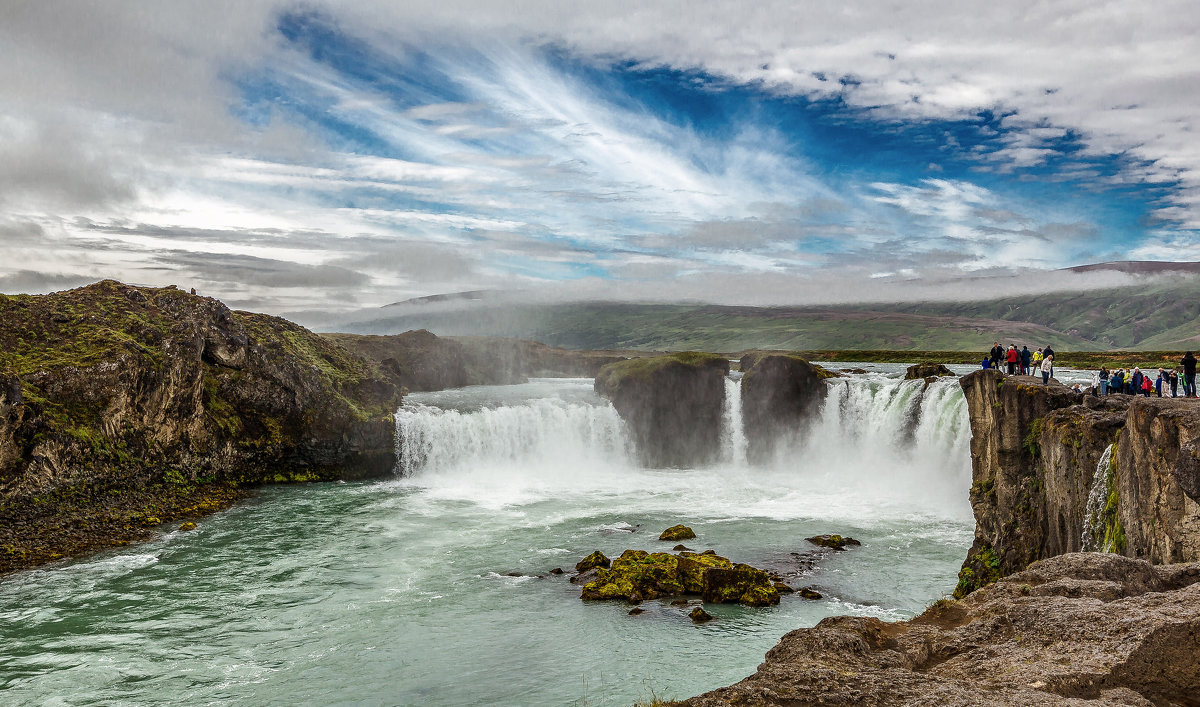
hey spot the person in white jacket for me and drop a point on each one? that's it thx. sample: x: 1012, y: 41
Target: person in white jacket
x: 1047, y: 367
x: 1095, y: 382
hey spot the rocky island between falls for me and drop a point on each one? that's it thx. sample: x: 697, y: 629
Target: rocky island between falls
x: 123, y: 408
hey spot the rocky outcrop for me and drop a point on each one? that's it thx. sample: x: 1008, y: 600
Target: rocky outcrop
x: 671, y: 404
x: 420, y: 360
x: 926, y: 371
x: 638, y: 575
x: 1074, y: 629
x: 122, y: 407
x: 1035, y: 450
x: 780, y: 394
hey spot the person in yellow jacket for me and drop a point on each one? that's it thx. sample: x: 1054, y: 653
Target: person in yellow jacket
x: 1037, y: 362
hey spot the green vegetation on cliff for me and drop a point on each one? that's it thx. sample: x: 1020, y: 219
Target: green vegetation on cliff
x: 122, y: 407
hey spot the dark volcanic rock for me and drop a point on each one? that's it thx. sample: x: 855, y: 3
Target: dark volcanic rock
x: 700, y: 616
x: 122, y: 407
x: 1098, y: 628
x: 835, y: 542
x: 922, y: 371
x: 671, y: 404
x: 780, y: 393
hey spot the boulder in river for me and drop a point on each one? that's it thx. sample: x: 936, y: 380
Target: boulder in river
x: 596, y: 559
x: 700, y: 616
x: 780, y: 394
x: 677, y: 532
x: 834, y: 542
x: 639, y: 575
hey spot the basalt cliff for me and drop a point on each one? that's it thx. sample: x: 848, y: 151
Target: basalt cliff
x: 1056, y: 472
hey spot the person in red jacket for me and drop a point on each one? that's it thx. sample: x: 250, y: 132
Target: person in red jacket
x: 1012, y: 359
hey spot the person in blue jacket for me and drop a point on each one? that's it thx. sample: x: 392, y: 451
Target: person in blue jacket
x: 1026, y: 356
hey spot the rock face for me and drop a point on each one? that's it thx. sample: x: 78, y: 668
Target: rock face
x: 677, y: 532
x: 1074, y: 629
x: 122, y: 407
x: 780, y: 394
x: 420, y: 360
x: 1034, y: 455
x: 671, y: 404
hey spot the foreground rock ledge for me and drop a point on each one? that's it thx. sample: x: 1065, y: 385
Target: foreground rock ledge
x: 1104, y: 629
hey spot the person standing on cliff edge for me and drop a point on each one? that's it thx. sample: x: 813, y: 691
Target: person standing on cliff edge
x: 996, y: 354
x: 1047, y: 367
x: 1189, y: 375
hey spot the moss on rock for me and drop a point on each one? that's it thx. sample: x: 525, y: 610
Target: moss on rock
x: 677, y: 532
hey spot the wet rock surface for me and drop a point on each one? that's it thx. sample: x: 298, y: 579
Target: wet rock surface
x: 638, y: 575
x: 1083, y: 628
x: 926, y: 371
x: 671, y: 404
x: 834, y: 542
x: 781, y: 393
x: 677, y: 532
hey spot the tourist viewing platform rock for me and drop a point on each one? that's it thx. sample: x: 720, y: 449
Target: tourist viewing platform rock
x: 1056, y: 472
x: 122, y: 407
x: 1087, y: 626
x: 672, y: 405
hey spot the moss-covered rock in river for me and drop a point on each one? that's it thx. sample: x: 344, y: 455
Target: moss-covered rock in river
x: 671, y: 404
x: 677, y: 532
x: 834, y: 542
x: 638, y: 575
x: 120, y: 401
x: 592, y: 561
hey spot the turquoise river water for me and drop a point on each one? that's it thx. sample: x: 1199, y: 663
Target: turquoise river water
x: 433, y: 587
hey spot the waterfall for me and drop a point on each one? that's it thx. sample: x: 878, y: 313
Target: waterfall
x: 539, y: 431
x: 733, y: 433
x: 1093, y: 523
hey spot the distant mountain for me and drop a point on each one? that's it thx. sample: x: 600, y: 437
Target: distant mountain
x: 471, y: 296
x: 1161, y: 312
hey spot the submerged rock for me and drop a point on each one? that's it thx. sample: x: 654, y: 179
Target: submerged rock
x: 639, y: 575
x: 808, y: 593
x: 596, y: 559
x: 1072, y: 629
x: 681, y: 546
x: 835, y: 542
x: 636, y: 610
x: 187, y: 526
x: 677, y: 532
x: 699, y: 615
x: 556, y: 570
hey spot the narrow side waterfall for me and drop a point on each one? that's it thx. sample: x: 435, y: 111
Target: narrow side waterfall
x: 546, y: 430
x: 733, y: 432
x: 1093, y: 539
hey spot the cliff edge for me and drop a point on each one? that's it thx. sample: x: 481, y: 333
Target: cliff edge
x: 1056, y: 472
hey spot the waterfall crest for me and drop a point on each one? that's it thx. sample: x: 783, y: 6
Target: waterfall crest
x: 432, y: 440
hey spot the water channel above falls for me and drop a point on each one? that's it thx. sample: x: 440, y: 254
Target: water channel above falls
x: 397, y: 591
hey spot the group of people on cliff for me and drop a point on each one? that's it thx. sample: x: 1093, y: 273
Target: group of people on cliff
x: 1134, y: 381
x: 1024, y: 361
x: 1128, y: 381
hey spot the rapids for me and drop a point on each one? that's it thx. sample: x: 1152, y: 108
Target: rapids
x: 432, y: 587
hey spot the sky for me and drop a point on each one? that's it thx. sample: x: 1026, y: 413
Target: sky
x: 301, y: 157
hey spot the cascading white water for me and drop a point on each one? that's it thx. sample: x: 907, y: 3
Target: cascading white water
x: 894, y: 437
x: 431, y: 440
x: 1097, y: 499
x: 733, y: 433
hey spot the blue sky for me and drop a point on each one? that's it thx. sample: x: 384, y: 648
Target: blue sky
x: 294, y: 157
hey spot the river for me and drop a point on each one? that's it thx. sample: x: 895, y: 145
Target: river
x: 433, y: 587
